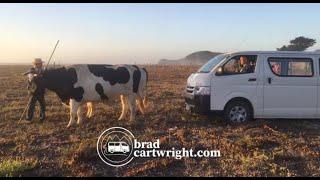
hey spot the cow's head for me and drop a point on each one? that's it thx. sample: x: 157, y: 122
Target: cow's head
x: 36, y: 84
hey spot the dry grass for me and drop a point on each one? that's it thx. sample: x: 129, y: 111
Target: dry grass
x: 259, y: 148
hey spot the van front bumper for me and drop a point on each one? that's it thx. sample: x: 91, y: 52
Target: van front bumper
x: 197, y: 103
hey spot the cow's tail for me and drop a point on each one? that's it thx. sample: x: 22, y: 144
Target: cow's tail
x: 145, y: 104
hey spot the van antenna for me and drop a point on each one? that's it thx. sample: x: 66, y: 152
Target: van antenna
x: 241, y: 45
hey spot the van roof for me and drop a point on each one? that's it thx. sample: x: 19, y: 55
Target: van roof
x: 116, y: 142
x: 277, y: 52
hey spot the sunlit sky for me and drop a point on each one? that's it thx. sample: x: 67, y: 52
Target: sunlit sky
x: 145, y: 33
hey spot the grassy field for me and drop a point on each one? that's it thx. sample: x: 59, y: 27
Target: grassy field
x: 258, y: 148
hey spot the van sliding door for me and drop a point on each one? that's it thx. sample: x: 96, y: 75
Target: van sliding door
x: 290, y: 87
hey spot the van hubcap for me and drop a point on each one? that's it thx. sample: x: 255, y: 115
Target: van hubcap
x: 238, y: 114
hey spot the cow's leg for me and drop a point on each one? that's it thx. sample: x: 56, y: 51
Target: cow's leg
x: 74, y: 105
x: 89, y: 110
x: 132, y: 106
x: 140, y: 104
x: 79, y: 114
x: 124, y: 105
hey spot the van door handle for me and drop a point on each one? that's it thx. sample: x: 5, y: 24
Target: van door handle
x: 252, y: 79
x: 269, y: 80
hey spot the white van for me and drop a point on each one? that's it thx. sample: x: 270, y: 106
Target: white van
x: 257, y: 84
x: 121, y: 147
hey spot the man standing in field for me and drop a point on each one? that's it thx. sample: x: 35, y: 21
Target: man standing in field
x: 36, y: 70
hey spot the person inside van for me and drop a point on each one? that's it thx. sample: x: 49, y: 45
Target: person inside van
x: 244, y: 66
x: 240, y: 65
x: 276, y: 68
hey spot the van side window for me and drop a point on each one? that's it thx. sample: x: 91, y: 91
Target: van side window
x: 300, y: 67
x: 241, y: 64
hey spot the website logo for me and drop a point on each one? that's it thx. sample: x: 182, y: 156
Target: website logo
x: 115, y: 146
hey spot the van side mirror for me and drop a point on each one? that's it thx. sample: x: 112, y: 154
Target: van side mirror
x: 219, y: 71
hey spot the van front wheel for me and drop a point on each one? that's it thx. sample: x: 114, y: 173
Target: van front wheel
x: 238, y: 112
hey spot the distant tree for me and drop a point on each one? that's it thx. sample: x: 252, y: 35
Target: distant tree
x: 298, y: 44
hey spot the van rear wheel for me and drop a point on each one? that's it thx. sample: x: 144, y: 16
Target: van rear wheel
x: 238, y: 112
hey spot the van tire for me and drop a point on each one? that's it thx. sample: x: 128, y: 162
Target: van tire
x: 238, y: 111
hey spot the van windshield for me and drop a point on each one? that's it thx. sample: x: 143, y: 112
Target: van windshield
x: 212, y: 63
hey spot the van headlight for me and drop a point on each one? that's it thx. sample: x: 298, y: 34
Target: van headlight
x: 202, y: 90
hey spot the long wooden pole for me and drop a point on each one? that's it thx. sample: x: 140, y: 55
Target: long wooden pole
x: 52, y: 53
x: 23, y: 113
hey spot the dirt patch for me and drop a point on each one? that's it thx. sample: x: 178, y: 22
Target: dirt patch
x: 257, y: 148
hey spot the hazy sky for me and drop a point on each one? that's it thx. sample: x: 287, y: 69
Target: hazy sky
x: 145, y: 33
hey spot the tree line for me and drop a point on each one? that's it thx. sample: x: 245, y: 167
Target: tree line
x: 300, y: 43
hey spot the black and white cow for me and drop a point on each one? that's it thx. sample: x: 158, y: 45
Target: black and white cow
x: 141, y: 97
x: 89, y: 83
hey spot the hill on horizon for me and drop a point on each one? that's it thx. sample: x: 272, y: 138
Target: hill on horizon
x: 196, y: 58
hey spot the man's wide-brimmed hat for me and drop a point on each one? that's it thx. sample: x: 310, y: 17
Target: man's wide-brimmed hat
x: 37, y: 61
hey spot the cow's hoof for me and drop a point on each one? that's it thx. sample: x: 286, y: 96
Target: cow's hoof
x: 79, y: 123
x: 131, y: 122
x: 69, y: 125
x: 88, y: 116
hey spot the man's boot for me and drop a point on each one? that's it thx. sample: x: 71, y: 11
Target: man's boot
x: 42, y: 116
x: 30, y: 110
x: 42, y: 108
